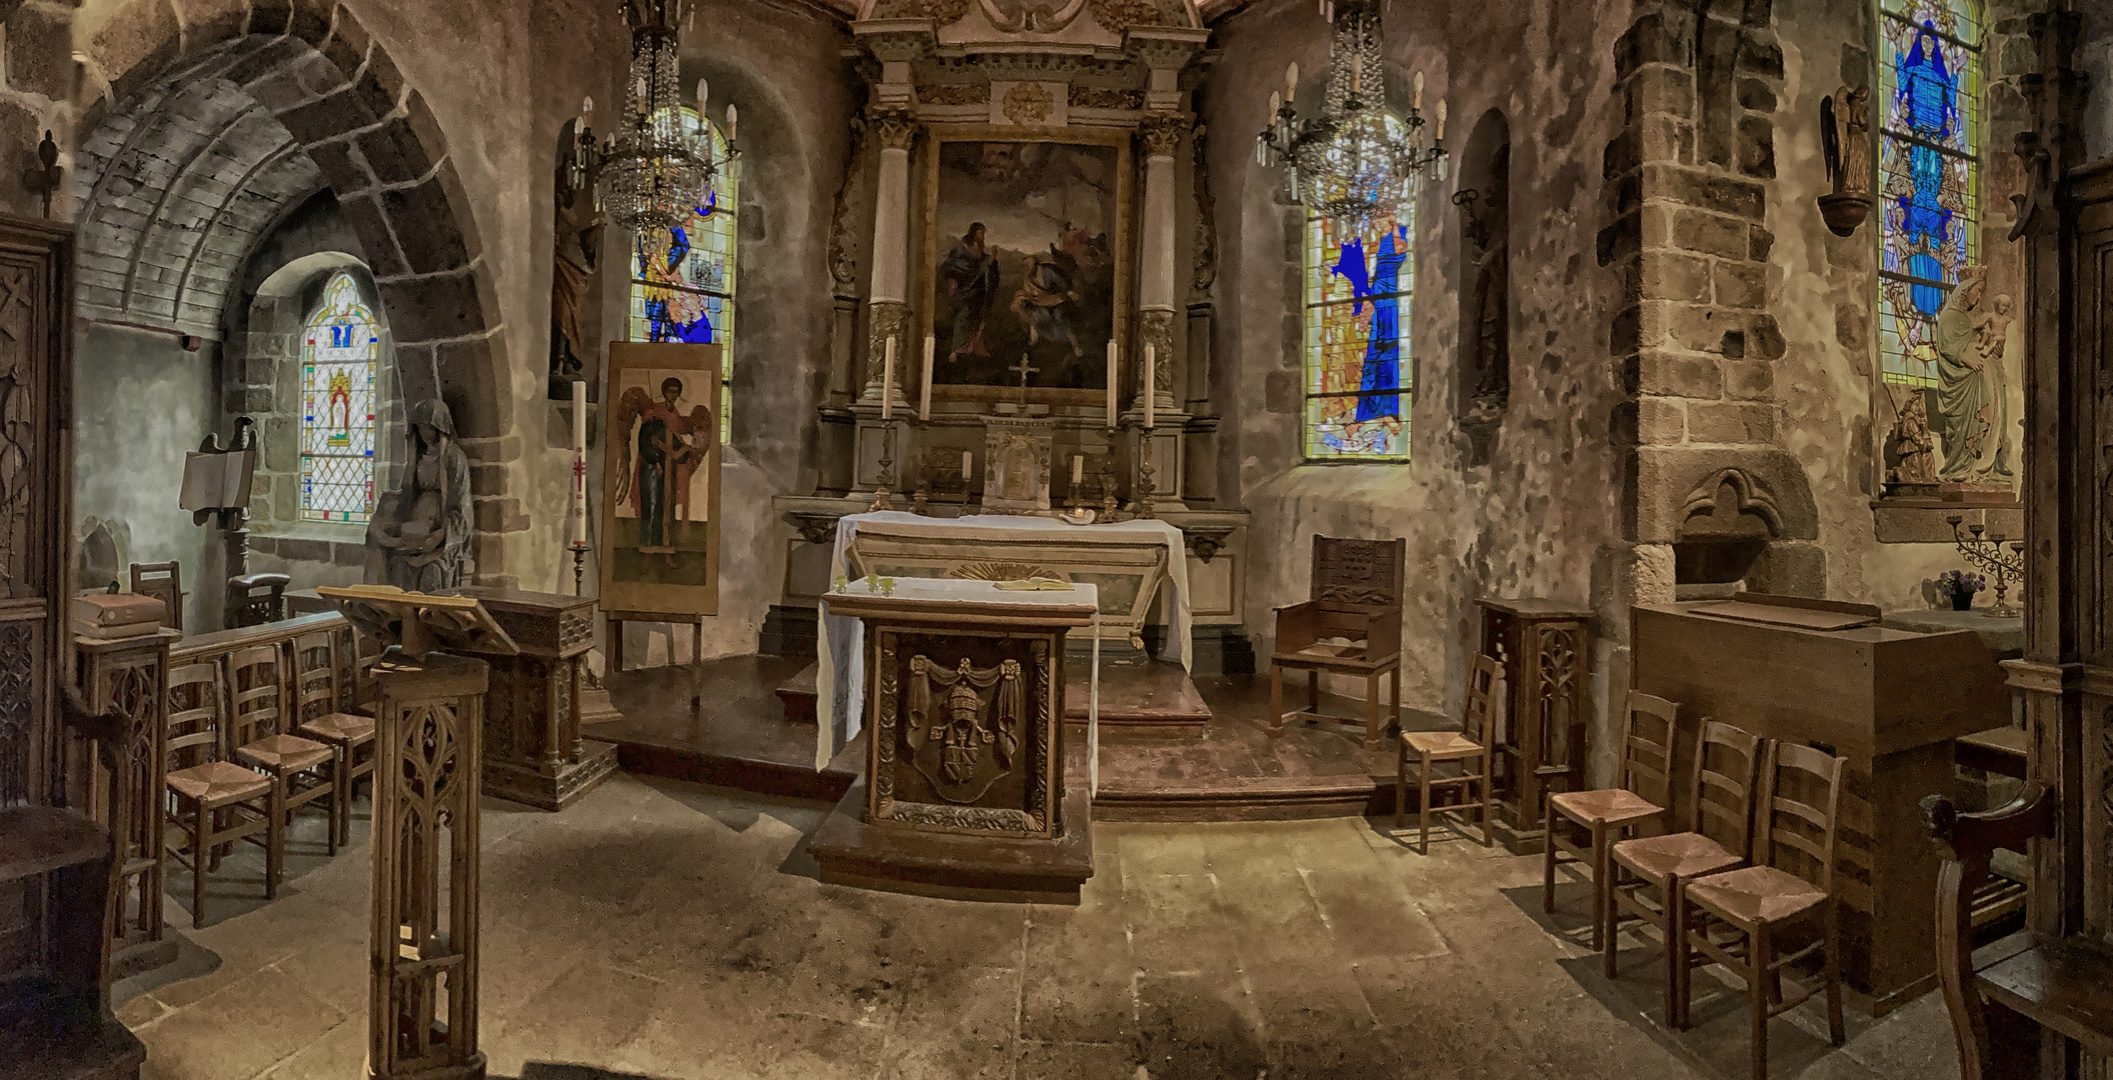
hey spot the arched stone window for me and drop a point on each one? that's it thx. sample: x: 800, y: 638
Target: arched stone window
x: 1929, y: 144
x: 1359, y: 282
x: 340, y: 352
x: 689, y: 296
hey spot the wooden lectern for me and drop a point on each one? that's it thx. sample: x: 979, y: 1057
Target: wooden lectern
x: 533, y: 750
x: 429, y: 727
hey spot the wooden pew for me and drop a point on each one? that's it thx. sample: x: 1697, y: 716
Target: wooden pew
x: 2005, y: 995
x: 216, y: 647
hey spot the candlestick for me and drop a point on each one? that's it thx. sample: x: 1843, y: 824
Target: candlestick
x: 887, y: 382
x: 579, y: 569
x: 1151, y: 365
x: 579, y: 462
x: 924, y: 393
x: 1114, y: 362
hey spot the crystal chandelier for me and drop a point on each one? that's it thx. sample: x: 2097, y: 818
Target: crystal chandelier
x: 657, y: 168
x: 1354, y: 162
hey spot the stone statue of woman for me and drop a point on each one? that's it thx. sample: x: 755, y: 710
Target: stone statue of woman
x: 418, y: 534
x: 1964, y: 399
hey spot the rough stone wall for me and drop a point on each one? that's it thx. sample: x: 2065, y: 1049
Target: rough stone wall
x: 1530, y: 522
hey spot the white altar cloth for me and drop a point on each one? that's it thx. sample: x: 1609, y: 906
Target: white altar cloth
x: 840, y: 674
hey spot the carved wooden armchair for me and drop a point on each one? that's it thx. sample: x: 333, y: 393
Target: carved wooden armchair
x: 2004, y: 997
x: 1351, y: 626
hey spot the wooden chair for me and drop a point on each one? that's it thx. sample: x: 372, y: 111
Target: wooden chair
x: 215, y: 791
x: 1469, y: 747
x: 297, y: 766
x: 316, y: 710
x: 1787, y: 892
x: 164, y: 582
x: 2004, y: 997
x: 1351, y: 626
x: 1642, y: 796
x: 256, y: 599
x: 1719, y: 837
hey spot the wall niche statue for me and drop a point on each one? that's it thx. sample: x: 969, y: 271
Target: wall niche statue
x: 1484, y: 199
x: 576, y: 232
x: 419, y: 532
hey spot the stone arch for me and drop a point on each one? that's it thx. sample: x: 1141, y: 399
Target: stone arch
x: 312, y: 69
x: 1737, y: 527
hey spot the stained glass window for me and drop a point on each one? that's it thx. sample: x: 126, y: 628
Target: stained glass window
x: 689, y: 296
x: 1930, y: 131
x: 1359, y: 281
x: 339, y: 352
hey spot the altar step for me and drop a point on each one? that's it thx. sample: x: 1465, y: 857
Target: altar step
x: 1150, y: 700
x: 1233, y: 771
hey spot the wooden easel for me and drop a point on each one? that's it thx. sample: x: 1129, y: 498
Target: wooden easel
x: 617, y: 619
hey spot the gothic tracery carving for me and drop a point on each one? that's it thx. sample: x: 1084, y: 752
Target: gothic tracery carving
x: 18, y: 706
x: 17, y: 434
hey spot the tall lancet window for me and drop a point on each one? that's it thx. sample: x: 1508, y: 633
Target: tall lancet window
x: 1930, y: 131
x: 339, y: 353
x: 689, y: 297
x: 1359, y: 281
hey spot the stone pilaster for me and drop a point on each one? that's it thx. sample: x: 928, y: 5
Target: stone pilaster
x: 887, y: 298
x: 1160, y: 135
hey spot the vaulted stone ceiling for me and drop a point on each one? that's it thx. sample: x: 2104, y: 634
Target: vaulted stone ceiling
x: 181, y: 183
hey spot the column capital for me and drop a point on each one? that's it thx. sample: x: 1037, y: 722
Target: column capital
x: 893, y: 125
x: 1161, y: 133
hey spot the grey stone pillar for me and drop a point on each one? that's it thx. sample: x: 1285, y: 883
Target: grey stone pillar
x: 888, y: 300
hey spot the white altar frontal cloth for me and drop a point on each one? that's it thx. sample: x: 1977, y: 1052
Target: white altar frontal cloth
x: 840, y: 675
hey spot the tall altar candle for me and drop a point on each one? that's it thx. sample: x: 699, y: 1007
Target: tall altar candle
x: 578, y: 532
x: 1114, y: 351
x: 887, y: 383
x: 1078, y: 469
x: 1146, y: 387
x: 924, y: 393
x: 968, y: 463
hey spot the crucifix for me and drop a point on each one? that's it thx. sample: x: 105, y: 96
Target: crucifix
x: 1025, y: 370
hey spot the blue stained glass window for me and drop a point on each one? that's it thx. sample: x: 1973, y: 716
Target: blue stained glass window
x: 1929, y: 174
x: 690, y: 296
x: 1360, y: 280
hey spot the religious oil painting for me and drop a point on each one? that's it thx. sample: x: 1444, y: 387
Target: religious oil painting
x: 1360, y: 278
x: 339, y: 351
x: 660, y: 508
x: 1026, y: 265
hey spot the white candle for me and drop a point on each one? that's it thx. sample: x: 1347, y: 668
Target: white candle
x: 732, y: 118
x: 1416, y: 100
x: 924, y: 393
x: 968, y: 463
x: 887, y: 383
x: 1357, y: 79
x: 1440, y: 137
x: 579, y: 463
x: 1291, y: 82
x: 1078, y: 469
x: 1114, y: 355
x: 1151, y: 398
x: 704, y: 93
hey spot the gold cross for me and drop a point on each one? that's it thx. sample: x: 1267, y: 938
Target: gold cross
x: 1024, y: 370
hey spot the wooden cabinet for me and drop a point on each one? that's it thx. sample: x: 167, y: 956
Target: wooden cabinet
x: 533, y: 751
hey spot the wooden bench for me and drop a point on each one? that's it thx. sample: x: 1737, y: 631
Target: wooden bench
x: 2003, y: 996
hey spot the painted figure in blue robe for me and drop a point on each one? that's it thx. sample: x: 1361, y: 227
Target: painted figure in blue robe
x: 1382, y: 364
x: 1928, y: 104
x: 693, y: 324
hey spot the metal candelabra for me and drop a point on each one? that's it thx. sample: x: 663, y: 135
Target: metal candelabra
x: 881, y: 499
x: 1989, y: 554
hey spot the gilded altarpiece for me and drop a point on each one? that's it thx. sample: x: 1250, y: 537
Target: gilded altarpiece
x: 965, y: 736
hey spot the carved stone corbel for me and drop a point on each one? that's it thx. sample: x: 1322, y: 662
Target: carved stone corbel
x: 1205, y: 541
x: 815, y: 528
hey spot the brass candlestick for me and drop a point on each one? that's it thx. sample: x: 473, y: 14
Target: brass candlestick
x: 1988, y: 555
x: 579, y: 569
x: 1144, y: 476
x: 882, y: 500
x: 1107, y: 476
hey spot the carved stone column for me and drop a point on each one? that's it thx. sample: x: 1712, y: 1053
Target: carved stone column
x: 888, y: 299
x: 1161, y: 135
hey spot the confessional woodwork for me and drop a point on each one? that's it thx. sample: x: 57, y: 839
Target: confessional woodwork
x: 1891, y: 701
x: 319, y: 713
x: 422, y: 1003
x: 533, y: 750
x: 1642, y: 797
x: 129, y: 677
x: 1351, y: 625
x: 57, y: 866
x: 1785, y: 897
x: 1468, y: 748
x: 1545, y: 650
x: 1719, y: 837
x: 214, y: 801
x: 163, y: 582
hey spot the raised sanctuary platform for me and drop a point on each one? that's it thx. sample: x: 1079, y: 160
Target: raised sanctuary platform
x: 1154, y: 699
x: 1233, y: 771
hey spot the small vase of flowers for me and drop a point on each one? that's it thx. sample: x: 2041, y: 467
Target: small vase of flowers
x: 1959, y: 587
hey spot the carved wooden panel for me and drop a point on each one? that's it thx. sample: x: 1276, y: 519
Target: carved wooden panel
x: 964, y: 732
x: 35, y: 381
x: 1357, y: 571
